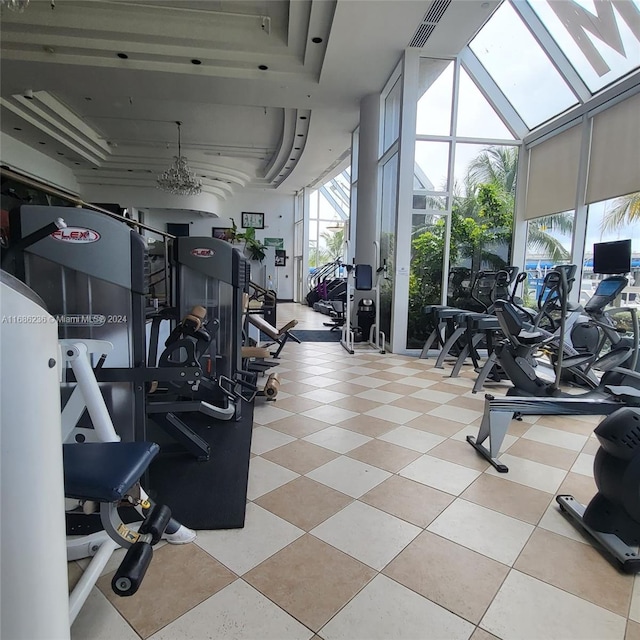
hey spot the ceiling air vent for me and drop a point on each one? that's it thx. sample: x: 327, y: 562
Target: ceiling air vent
x: 429, y: 22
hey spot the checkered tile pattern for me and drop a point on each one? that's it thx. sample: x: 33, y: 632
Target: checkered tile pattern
x: 369, y: 516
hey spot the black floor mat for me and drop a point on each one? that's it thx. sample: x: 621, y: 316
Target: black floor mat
x: 323, y: 335
x: 211, y: 494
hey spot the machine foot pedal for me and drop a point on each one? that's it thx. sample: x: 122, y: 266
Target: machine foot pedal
x: 130, y: 573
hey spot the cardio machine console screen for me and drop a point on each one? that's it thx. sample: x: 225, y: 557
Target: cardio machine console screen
x: 606, y: 292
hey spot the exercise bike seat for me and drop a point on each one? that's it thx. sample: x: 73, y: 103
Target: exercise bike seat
x: 530, y: 337
x: 105, y: 471
x: 578, y: 360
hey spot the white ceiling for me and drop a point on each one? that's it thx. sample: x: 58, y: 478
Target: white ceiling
x: 111, y: 120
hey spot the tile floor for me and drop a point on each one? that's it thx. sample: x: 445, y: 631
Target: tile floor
x: 370, y: 517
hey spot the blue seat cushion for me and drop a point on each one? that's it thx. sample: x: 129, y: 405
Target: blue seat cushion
x: 105, y: 471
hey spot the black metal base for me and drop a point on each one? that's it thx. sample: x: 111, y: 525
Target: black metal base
x: 484, y: 452
x: 624, y: 554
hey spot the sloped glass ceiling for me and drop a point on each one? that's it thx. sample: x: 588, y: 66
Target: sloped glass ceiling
x: 521, y: 69
x: 476, y: 117
x: 433, y: 116
x: 601, y: 38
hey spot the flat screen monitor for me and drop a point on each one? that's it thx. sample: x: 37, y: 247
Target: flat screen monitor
x: 221, y: 234
x: 612, y: 257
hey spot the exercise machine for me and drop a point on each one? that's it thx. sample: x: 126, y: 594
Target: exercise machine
x: 612, y: 517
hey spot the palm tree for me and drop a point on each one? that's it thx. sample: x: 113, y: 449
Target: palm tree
x: 539, y: 240
x: 496, y: 165
x: 334, y: 244
x: 626, y: 211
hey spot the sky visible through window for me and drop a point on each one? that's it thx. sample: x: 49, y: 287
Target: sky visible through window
x: 521, y: 68
x: 602, y: 41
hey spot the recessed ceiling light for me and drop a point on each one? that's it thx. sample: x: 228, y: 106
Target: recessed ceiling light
x: 292, y: 159
x: 196, y: 61
x: 129, y: 170
x: 77, y: 163
x: 303, y: 117
x: 262, y: 67
x: 17, y: 129
x: 296, y: 148
x: 122, y: 56
x: 316, y: 40
x: 88, y: 99
x: 48, y: 49
x: 287, y: 168
x: 301, y: 135
x: 60, y: 153
x: 42, y: 143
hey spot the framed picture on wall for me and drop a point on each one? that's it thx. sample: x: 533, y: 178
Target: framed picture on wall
x: 252, y: 219
x: 281, y: 258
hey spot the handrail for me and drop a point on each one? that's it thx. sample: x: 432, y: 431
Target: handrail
x: 52, y: 191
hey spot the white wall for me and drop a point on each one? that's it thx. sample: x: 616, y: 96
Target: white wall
x: 278, y: 212
x: 198, y: 225
x: 33, y: 163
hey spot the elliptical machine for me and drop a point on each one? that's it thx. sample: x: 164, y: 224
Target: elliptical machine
x: 613, y: 515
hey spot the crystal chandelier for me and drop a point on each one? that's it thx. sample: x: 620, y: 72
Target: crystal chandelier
x: 179, y: 179
x: 15, y: 5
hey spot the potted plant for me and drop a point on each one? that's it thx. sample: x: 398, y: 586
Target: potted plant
x: 254, y: 249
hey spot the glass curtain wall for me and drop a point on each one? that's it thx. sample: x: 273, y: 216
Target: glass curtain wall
x: 388, y: 179
x: 466, y: 162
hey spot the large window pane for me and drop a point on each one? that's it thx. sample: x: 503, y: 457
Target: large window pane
x: 615, y: 219
x: 476, y: 117
x: 388, y: 239
x: 436, y: 94
x: 432, y: 166
x: 392, y: 106
x: 425, y: 278
x: 549, y: 241
x: 521, y: 68
x: 601, y: 38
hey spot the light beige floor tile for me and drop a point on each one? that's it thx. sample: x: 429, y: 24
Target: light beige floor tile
x: 417, y: 381
x: 439, y: 426
x: 304, y: 502
x: 481, y: 634
x: 99, y: 620
x: 440, y: 474
x: 439, y: 397
x: 367, y: 382
x: 511, y: 616
x: 265, y: 476
x: 452, y: 412
x: 300, y: 456
x: 473, y: 404
x: 267, y: 413
x: 242, y: 549
x: 315, y: 369
x: 239, y: 611
x: 584, y: 464
x: 452, y: 576
x: 340, y: 374
x: 310, y: 580
x: 378, y: 395
x: 554, y: 520
x: 384, y: 455
x: 411, y: 501
x: 493, y: 534
x: 298, y: 426
x: 385, y: 375
x: 366, y: 533
x: 402, y: 369
x: 460, y: 453
x: 353, y: 403
x: 567, y: 424
x: 556, y: 437
x: 349, y: 476
x: 329, y: 414
x: 385, y: 609
x: 337, y: 439
x: 359, y: 371
x: 510, y: 498
x: 533, y: 474
x: 294, y: 386
x: 414, y: 404
x: 633, y: 631
x: 397, y: 387
x: 576, y: 568
x: 543, y: 453
x: 591, y: 447
x: 264, y: 439
x: 324, y: 396
x: 415, y: 439
x: 295, y: 404
x: 368, y: 426
x: 193, y: 575
x: 393, y: 414
x: 634, y: 609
